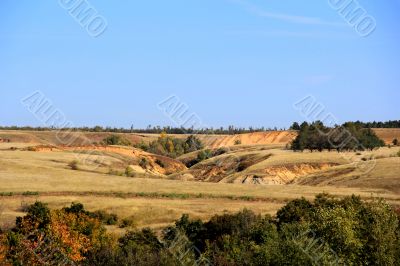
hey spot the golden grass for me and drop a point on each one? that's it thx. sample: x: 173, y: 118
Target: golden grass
x: 155, y: 213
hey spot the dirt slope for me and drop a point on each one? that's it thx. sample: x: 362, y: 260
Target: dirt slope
x: 154, y: 164
x: 387, y: 134
x: 262, y: 138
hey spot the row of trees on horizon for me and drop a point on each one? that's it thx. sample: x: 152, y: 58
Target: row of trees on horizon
x: 230, y: 130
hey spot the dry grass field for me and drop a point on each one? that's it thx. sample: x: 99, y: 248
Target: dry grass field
x: 261, y: 177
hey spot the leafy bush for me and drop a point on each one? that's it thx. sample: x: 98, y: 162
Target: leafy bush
x: 105, y: 218
x: 143, y: 163
x: 238, y: 142
x: 116, y: 140
x: 204, y: 155
x: 127, y: 222
x: 73, y: 165
x: 129, y: 172
x: 174, y: 147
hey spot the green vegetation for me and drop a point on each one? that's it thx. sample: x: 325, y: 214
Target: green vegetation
x: 327, y: 231
x: 127, y: 222
x: 105, y: 218
x: 205, y: 155
x: 349, y: 136
x: 172, y: 147
x: 129, y: 172
x: 295, y: 126
x: 143, y: 163
x: 116, y: 140
x: 30, y: 193
x: 238, y: 142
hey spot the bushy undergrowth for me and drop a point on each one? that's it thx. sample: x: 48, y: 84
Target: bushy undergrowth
x: 172, y: 147
x: 116, y: 140
x: 327, y: 231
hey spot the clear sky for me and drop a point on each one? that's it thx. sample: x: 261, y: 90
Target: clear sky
x: 231, y: 61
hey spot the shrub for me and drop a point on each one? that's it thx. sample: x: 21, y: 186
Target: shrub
x: 105, y: 218
x: 220, y: 151
x: 129, y: 172
x: 76, y: 208
x: 238, y: 142
x: 116, y: 140
x: 395, y: 142
x: 38, y: 213
x: 204, y: 155
x: 30, y: 193
x: 73, y: 165
x: 142, y: 146
x: 143, y: 163
x: 127, y: 222
x: 295, y: 211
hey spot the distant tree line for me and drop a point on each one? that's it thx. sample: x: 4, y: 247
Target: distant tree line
x: 326, y: 231
x: 349, y: 136
x: 359, y: 124
x: 230, y: 130
x: 387, y: 124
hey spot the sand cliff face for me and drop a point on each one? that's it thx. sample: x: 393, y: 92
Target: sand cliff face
x: 261, y: 138
x: 284, y: 174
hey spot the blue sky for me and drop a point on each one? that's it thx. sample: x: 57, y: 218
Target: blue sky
x: 231, y: 61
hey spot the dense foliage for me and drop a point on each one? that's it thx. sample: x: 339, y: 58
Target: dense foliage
x: 172, y: 147
x: 359, y: 124
x: 349, y: 136
x: 327, y: 231
x: 386, y: 124
x: 116, y: 140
